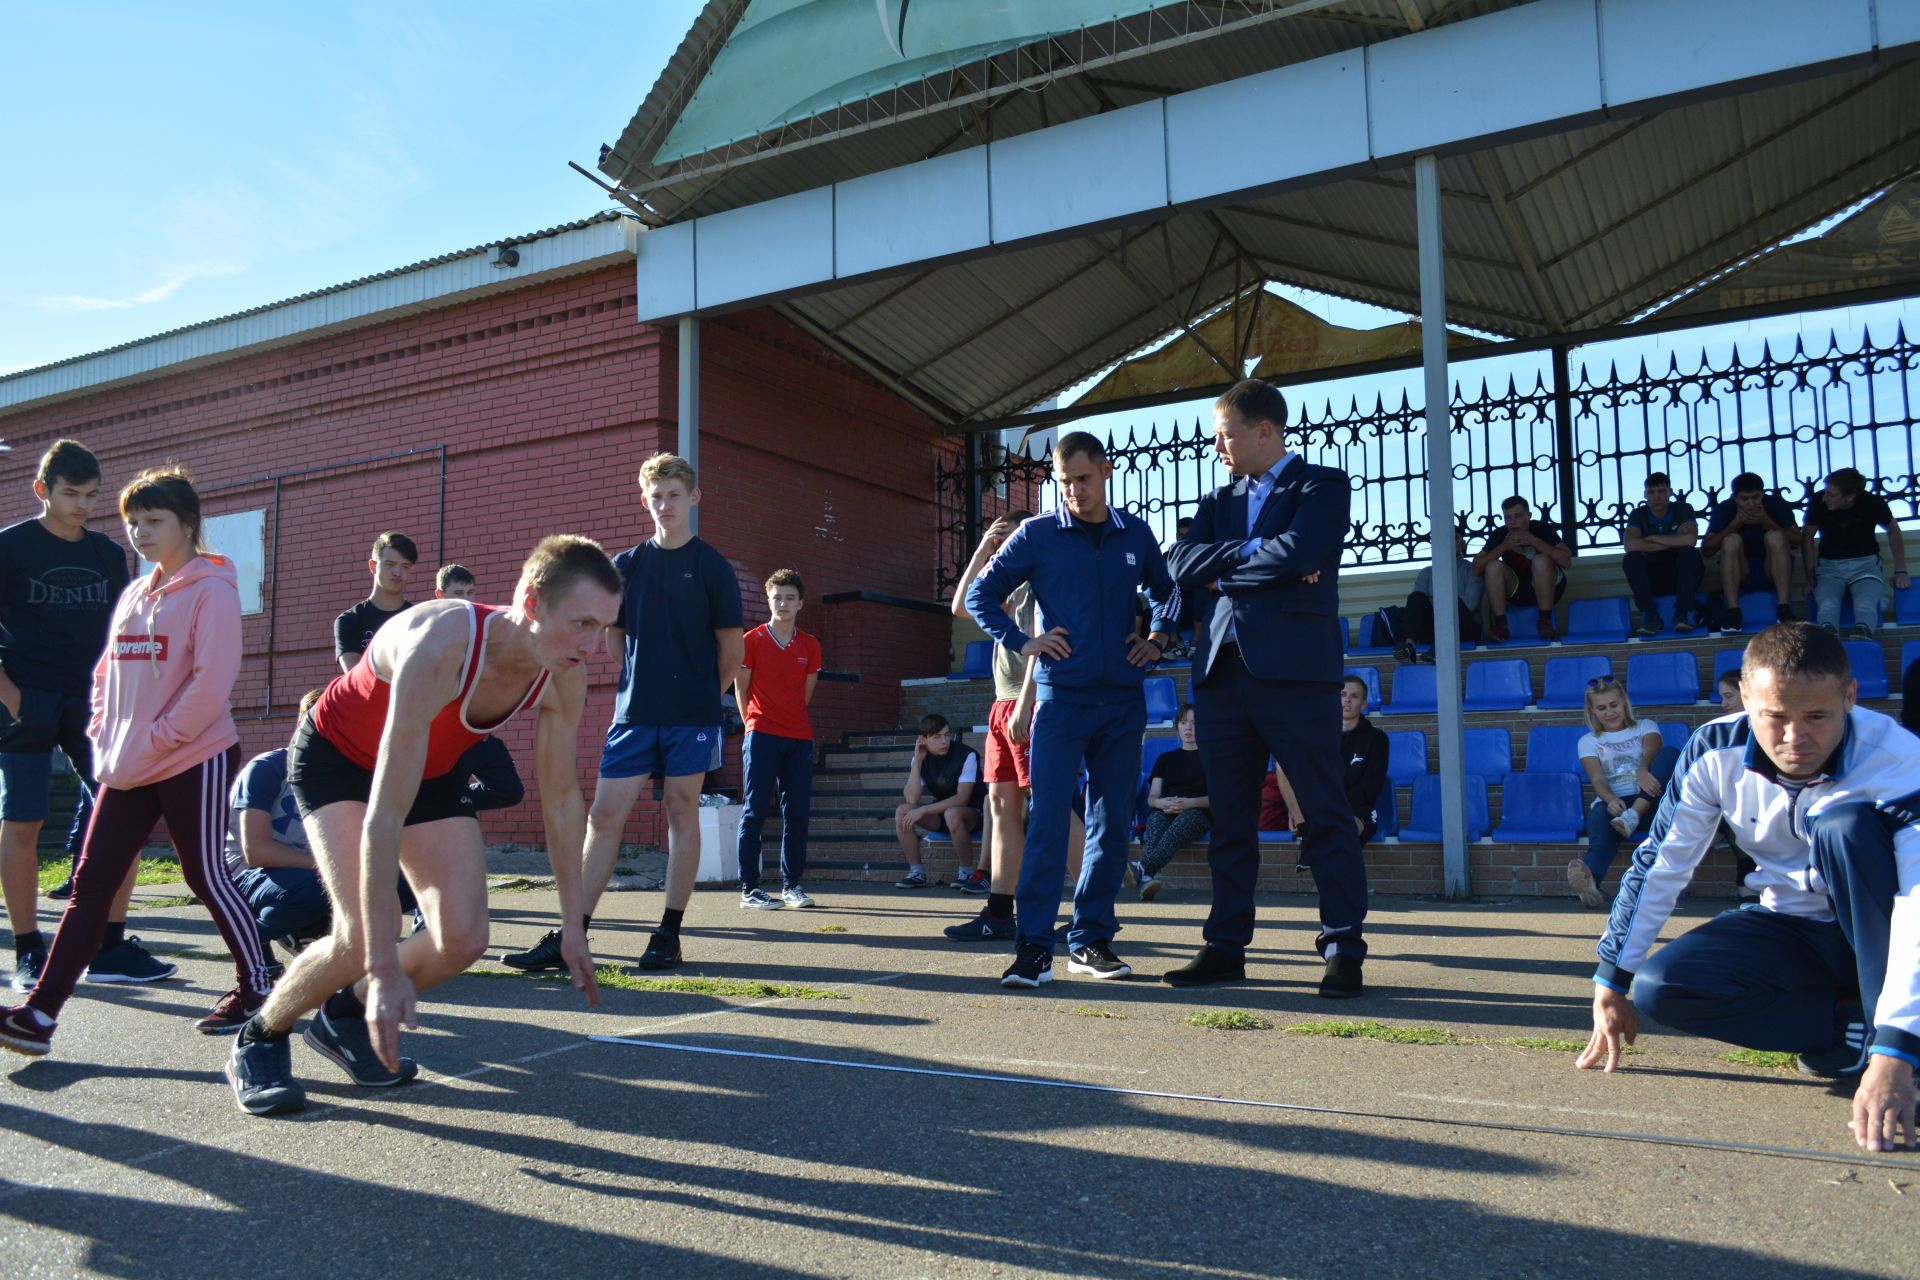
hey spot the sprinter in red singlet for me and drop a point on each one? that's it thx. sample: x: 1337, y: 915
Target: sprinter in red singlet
x: 373, y: 771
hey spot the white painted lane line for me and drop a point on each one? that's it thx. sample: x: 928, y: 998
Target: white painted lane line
x: 1651, y: 1139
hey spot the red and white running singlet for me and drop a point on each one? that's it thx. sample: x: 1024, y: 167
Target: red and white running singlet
x: 352, y: 711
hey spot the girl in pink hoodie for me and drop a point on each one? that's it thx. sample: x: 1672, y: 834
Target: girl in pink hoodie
x: 164, y: 747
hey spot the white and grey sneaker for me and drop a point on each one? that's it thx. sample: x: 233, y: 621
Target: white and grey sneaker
x: 757, y: 900
x: 795, y: 897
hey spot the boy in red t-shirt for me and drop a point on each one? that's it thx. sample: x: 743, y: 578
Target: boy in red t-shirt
x: 775, y: 684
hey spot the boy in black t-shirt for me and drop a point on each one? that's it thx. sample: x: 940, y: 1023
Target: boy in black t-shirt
x: 1846, y: 516
x: 939, y: 796
x: 1178, y: 813
x: 1753, y: 533
x: 59, y: 582
x: 1524, y: 562
x: 1662, y: 558
x: 391, y: 560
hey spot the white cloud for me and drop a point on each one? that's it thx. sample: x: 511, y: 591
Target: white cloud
x: 170, y: 284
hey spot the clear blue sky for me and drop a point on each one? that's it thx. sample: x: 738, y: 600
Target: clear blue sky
x: 168, y: 163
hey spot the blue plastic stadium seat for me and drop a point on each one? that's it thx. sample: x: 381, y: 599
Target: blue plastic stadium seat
x: 1540, y: 807
x: 1909, y: 654
x: 1523, y: 623
x: 1276, y: 837
x: 1758, y: 610
x: 1869, y: 667
x: 1386, y: 812
x: 1413, y: 691
x: 1346, y: 633
x: 1406, y: 754
x: 1423, y: 823
x: 1675, y: 733
x: 1555, y: 748
x: 1906, y: 606
x: 978, y: 663
x: 1724, y: 661
x: 1163, y: 702
x: 1564, y: 685
x: 1608, y: 621
x: 1372, y: 676
x: 1498, y: 684
x: 1368, y: 642
x: 1489, y: 753
x: 1663, y: 679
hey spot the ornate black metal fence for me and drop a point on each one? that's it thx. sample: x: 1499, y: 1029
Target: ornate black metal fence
x: 1579, y: 452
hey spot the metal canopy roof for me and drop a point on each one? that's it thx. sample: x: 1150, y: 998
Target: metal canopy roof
x: 1561, y: 233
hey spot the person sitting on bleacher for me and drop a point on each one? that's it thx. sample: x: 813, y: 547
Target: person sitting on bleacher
x: 1629, y: 766
x: 1846, y: 517
x: 938, y: 797
x: 1524, y: 562
x: 1662, y: 559
x: 1177, y: 812
x: 1415, y: 622
x: 1752, y: 532
x: 1363, y: 748
x: 1825, y: 795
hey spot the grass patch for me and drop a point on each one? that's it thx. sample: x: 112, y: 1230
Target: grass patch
x: 831, y: 928
x: 54, y: 871
x: 518, y: 884
x: 1378, y: 1031
x: 1542, y: 1042
x: 746, y: 988
x: 177, y: 900
x: 1759, y: 1058
x: 620, y: 980
x: 1229, y: 1020
x: 1088, y: 1011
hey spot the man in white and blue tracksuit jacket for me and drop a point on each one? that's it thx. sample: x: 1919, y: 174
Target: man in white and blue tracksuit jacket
x: 1824, y: 796
x: 1086, y: 564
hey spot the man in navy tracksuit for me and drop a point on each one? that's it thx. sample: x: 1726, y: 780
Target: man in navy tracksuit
x: 1086, y: 564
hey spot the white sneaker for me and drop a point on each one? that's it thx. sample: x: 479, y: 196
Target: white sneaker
x: 1628, y: 822
x: 795, y: 897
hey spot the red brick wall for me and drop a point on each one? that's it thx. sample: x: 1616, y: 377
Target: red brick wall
x: 545, y: 400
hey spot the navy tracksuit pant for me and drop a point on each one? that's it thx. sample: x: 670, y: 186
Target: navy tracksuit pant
x: 1107, y: 738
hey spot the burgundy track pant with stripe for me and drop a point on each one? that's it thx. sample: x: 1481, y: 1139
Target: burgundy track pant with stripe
x: 194, y: 804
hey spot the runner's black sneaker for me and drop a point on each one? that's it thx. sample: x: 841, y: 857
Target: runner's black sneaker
x: 542, y: 957
x: 261, y: 1073
x: 982, y: 928
x: 62, y: 891
x: 1097, y: 959
x: 27, y: 966
x: 1031, y: 967
x: 129, y: 962
x: 344, y: 1041
x: 663, y: 952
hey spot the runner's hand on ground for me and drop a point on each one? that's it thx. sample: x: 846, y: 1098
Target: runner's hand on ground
x: 1615, y: 1026
x: 390, y: 1006
x: 574, y: 950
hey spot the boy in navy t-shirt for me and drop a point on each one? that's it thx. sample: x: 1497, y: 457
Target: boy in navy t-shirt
x: 680, y: 645
x: 59, y: 582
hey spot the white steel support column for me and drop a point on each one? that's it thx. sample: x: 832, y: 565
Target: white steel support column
x: 1456, y: 873
x: 689, y: 444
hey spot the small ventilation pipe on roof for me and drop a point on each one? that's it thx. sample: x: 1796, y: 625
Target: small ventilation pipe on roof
x: 505, y: 255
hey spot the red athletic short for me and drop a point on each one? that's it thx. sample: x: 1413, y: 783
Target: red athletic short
x: 1006, y: 759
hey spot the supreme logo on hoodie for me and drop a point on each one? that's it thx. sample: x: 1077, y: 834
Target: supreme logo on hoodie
x: 138, y: 648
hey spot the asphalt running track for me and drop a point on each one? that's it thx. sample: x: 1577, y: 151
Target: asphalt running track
x: 933, y: 1124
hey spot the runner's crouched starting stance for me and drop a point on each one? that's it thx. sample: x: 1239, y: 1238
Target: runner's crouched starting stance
x: 373, y: 771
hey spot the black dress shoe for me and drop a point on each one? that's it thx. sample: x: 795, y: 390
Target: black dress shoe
x: 1210, y: 966
x: 1341, y: 981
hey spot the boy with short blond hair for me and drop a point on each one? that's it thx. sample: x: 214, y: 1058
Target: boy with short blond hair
x: 773, y: 690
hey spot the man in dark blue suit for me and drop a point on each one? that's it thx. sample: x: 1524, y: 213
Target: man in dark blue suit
x: 1264, y: 555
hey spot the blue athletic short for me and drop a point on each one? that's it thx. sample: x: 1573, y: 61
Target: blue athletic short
x: 667, y: 751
